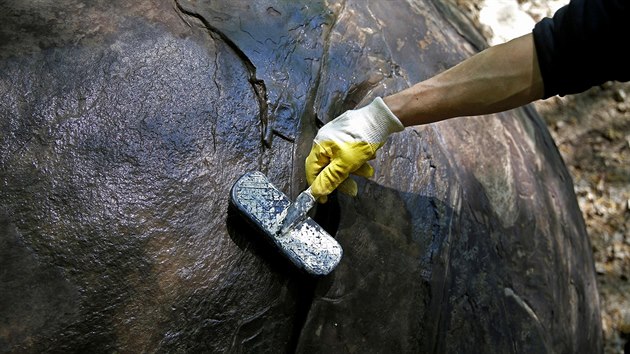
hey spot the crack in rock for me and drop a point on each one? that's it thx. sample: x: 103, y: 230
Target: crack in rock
x: 258, y: 85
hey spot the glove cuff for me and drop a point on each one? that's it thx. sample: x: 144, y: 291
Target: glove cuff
x: 382, y: 121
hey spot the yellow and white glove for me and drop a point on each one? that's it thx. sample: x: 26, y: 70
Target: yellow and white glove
x: 345, y: 144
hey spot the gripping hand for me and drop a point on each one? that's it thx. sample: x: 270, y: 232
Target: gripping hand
x: 345, y: 144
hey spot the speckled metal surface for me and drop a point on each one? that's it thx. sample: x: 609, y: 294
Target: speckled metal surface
x: 307, y: 244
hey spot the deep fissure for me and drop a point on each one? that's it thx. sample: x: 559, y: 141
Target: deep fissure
x: 257, y: 84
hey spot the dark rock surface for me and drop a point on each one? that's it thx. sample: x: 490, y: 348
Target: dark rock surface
x: 123, y: 126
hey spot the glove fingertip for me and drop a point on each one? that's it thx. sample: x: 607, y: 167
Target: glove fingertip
x: 366, y: 170
x: 349, y: 187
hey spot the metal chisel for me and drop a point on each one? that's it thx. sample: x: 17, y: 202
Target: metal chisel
x: 297, y: 211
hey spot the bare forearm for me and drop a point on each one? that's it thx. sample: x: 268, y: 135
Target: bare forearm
x: 499, y: 78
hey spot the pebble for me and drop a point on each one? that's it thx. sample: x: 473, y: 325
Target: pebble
x: 619, y: 252
x: 560, y: 124
x: 612, y: 112
x: 619, y: 95
x: 600, y: 268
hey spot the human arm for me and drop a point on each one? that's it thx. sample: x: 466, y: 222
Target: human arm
x: 499, y: 78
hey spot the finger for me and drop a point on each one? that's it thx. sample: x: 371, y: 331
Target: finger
x: 365, y: 170
x: 349, y: 187
x: 329, y: 179
x: 315, y: 162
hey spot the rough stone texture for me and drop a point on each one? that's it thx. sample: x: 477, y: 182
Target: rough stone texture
x: 123, y: 126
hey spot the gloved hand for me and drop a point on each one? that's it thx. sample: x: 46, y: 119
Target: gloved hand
x: 345, y: 144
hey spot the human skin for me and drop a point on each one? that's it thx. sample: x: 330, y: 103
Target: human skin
x: 499, y: 78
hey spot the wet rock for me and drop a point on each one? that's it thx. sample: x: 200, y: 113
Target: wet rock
x: 123, y: 127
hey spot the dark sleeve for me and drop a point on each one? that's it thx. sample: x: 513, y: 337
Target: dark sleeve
x: 583, y: 45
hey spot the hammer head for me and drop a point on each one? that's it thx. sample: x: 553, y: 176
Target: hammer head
x: 306, y: 244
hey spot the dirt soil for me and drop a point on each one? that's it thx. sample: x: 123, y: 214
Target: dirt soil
x: 592, y: 133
